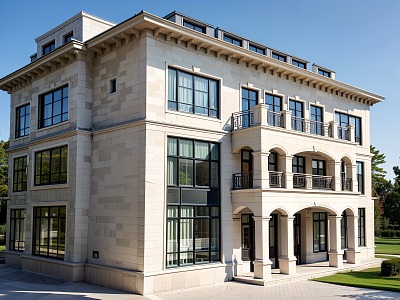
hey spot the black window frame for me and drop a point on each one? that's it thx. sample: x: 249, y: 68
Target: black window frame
x: 273, y: 161
x: 61, y: 173
x: 324, y: 73
x: 178, y: 207
x: 233, y: 40
x: 44, y: 216
x: 194, y: 26
x: 17, y: 237
x: 316, y: 120
x: 297, y: 109
x: 175, y: 104
x: 20, y: 174
x: 68, y: 37
x: 317, y: 221
x: 278, y: 56
x: 22, y: 115
x: 361, y: 227
x: 49, y: 47
x: 298, y: 163
x: 256, y: 49
x: 344, y: 120
x: 360, y: 177
x: 45, y: 120
x: 299, y: 64
x: 112, y: 86
x: 320, y: 168
x: 343, y: 231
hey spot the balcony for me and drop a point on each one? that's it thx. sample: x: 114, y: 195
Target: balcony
x: 243, y: 181
x: 276, y: 180
x: 243, y: 119
x: 346, y: 184
x: 315, y: 182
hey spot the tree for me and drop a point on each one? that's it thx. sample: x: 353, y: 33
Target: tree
x: 3, y: 168
x: 377, y: 172
x: 396, y: 171
x: 392, y: 207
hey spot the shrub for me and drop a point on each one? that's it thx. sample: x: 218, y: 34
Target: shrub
x: 390, y: 233
x: 3, y: 229
x: 390, y: 267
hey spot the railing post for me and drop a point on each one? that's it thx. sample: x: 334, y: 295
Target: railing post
x: 309, y: 181
x: 260, y: 114
x: 287, y: 119
x: 334, y: 168
x: 306, y: 125
x: 287, y: 171
x: 334, y: 128
x: 351, y: 132
x: 261, y: 173
x: 354, y: 177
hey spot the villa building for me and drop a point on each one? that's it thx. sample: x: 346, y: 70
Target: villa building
x: 163, y: 153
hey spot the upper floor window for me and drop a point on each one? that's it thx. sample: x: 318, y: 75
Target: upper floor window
x: 51, y: 166
x: 22, y: 123
x: 299, y: 64
x: 68, y: 37
x: 256, y: 49
x: 17, y: 229
x: 192, y: 93
x: 20, y: 174
x: 344, y: 120
x: 324, y: 73
x: 48, y: 47
x: 113, y: 86
x: 232, y: 40
x: 274, y: 109
x: 273, y: 161
x: 279, y: 56
x: 193, y: 26
x: 53, y: 107
x: 318, y: 167
x: 296, y: 107
x: 360, y: 176
x: 316, y: 120
x: 298, y: 164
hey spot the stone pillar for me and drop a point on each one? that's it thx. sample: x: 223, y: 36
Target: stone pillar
x: 334, y: 128
x: 287, y: 119
x: 307, y: 127
x: 237, y: 244
x: 260, y: 170
x: 353, y: 254
x: 262, y: 263
x: 260, y: 114
x: 354, y: 178
x: 334, y: 170
x: 335, y: 252
x: 287, y: 170
x: 352, y: 136
x: 287, y: 261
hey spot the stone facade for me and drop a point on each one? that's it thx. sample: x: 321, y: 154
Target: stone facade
x: 115, y: 195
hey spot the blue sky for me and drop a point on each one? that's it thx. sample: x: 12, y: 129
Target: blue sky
x: 360, y: 40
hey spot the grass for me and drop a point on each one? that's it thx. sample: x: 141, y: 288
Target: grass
x: 2, y: 247
x: 369, y: 278
x: 385, y: 256
x: 387, y: 246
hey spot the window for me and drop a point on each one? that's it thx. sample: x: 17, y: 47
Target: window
x: 53, y: 107
x: 193, y: 26
x: 318, y: 167
x: 68, y: 37
x: 113, y: 86
x: 361, y: 227
x: 49, y: 231
x: 249, y: 99
x: 279, y: 56
x: 23, y: 121
x: 20, y: 174
x: 316, y: 122
x: 17, y: 229
x: 324, y: 73
x: 232, y: 40
x: 345, y: 120
x: 273, y: 161
x: 360, y: 176
x: 51, y: 166
x: 298, y: 164
x: 296, y: 107
x: 343, y: 230
x: 299, y: 64
x: 46, y: 49
x: 193, y: 213
x: 320, y: 231
x: 274, y: 108
x: 33, y: 57
x: 256, y: 49
x: 193, y: 94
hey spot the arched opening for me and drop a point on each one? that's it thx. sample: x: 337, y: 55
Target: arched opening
x: 276, y: 167
x: 346, y: 180
x: 245, y: 239
x: 244, y: 178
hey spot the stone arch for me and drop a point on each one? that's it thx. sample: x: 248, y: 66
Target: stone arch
x: 279, y: 149
x: 240, y: 147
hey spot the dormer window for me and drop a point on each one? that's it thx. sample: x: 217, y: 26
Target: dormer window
x: 49, y: 47
x: 324, y: 73
x: 299, y: 64
x: 193, y: 26
x: 278, y: 56
x: 256, y: 49
x: 68, y: 37
x: 232, y: 40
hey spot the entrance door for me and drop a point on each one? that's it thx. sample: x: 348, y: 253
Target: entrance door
x: 273, y: 241
x: 297, y: 238
x: 247, y: 169
x: 248, y: 251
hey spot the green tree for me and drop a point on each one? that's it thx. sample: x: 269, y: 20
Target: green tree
x: 3, y: 168
x: 396, y: 171
x: 392, y: 207
x: 379, y: 182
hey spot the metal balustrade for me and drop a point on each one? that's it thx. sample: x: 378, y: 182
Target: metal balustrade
x: 347, y: 184
x: 320, y: 128
x: 276, y: 180
x: 343, y: 133
x: 308, y: 181
x: 275, y: 119
x: 243, y: 119
x: 243, y: 181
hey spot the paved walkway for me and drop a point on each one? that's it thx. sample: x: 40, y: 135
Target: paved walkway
x: 17, y: 284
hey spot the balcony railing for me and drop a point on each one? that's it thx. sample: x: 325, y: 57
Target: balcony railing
x: 275, y: 119
x: 299, y: 124
x: 243, y: 181
x: 344, y: 133
x: 320, y: 128
x: 299, y: 181
x: 243, y: 119
x: 276, y: 180
x: 347, y: 184
x: 308, y: 181
x: 322, y: 182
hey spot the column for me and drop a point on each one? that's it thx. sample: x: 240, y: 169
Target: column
x: 237, y: 243
x: 352, y: 136
x: 287, y: 119
x: 287, y: 169
x: 353, y: 254
x: 354, y: 178
x: 260, y: 170
x: 334, y: 128
x: 335, y: 251
x: 262, y: 263
x: 260, y: 114
x: 287, y: 261
x: 334, y: 169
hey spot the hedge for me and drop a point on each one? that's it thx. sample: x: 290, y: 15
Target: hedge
x: 390, y: 233
x: 390, y: 267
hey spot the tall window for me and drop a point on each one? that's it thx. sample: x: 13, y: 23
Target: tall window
x: 53, y: 107
x: 49, y: 231
x: 343, y: 230
x: 316, y: 125
x: 23, y: 121
x: 256, y: 49
x: 193, y: 26
x: 17, y: 229
x: 193, y: 213
x: 296, y: 107
x: 249, y: 99
x: 193, y: 94
x: 232, y: 40
x: 318, y: 167
x: 279, y: 56
x: 361, y: 227
x: 273, y: 161
x: 360, y: 176
x: 345, y: 120
x: 298, y: 164
x: 274, y: 108
x: 46, y: 49
x: 319, y: 232
x: 51, y: 166
x: 299, y: 64
x: 20, y: 174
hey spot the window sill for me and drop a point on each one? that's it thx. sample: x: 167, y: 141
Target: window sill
x: 19, y: 192
x: 49, y: 186
x: 200, y: 117
x: 52, y: 126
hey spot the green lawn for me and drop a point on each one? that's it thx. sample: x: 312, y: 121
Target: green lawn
x: 369, y: 278
x: 387, y: 245
x: 385, y: 256
x: 3, y: 248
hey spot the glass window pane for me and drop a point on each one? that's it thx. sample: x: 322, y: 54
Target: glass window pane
x: 186, y: 235
x: 186, y: 172
x: 202, y: 173
x: 186, y: 148
x: 172, y: 148
x: 202, y: 234
x: 201, y: 150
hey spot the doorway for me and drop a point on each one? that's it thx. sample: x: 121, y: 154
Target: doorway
x: 273, y: 241
x: 248, y: 249
x: 247, y: 168
x: 297, y: 238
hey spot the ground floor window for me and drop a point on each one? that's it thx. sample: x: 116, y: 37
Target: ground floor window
x: 17, y: 229
x: 361, y: 227
x: 49, y: 231
x: 343, y: 230
x: 320, y: 231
